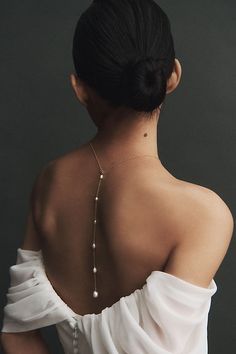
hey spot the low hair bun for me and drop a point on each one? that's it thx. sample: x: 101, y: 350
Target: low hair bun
x: 124, y: 50
x: 143, y: 84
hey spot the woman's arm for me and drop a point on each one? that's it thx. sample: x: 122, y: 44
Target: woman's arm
x: 206, y: 230
x: 28, y: 342
x: 24, y: 343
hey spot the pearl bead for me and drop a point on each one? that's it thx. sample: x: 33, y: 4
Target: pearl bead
x: 94, y: 245
x: 94, y: 221
x: 95, y: 270
x: 96, y: 198
x: 95, y: 293
x: 101, y: 176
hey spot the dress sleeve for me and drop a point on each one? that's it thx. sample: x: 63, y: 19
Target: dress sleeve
x: 31, y: 301
x: 179, y: 312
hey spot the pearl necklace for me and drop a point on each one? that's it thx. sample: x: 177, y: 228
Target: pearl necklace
x: 96, y: 198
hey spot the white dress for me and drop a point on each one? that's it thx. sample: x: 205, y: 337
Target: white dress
x: 167, y: 316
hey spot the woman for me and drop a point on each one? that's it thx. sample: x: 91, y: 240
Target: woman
x: 119, y: 254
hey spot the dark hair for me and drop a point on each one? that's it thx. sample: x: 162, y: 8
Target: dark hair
x: 124, y: 50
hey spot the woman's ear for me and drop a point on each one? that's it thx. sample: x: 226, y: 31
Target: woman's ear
x: 80, y: 89
x: 175, y: 77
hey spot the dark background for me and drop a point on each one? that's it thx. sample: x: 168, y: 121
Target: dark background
x: 41, y: 119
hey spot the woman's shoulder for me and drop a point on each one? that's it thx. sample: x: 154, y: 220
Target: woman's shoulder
x: 190, y: 210
x: 198, y: 199
x: 204, y: 228
x: 56, y: 169
x: 199, y: 207
x: 203, y: 225
x: 48, y: 183
x: 185, y: 200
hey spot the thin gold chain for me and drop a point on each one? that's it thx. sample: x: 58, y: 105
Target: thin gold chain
x: 100, y: 167
x: 117, y: 163
x: 102, y: 172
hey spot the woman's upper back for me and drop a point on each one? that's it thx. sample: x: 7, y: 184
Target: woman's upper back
x: 143, y: 212
x: 154, y: 246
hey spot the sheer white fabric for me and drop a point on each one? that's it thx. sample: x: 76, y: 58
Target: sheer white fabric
x: 167, y: 316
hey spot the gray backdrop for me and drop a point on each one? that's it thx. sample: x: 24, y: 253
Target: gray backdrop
x: 40, y: 119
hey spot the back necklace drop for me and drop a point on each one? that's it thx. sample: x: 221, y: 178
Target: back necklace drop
x: 96, y: 198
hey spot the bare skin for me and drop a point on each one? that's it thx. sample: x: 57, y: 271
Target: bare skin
x: 148, y: 219
x: 144, y: 212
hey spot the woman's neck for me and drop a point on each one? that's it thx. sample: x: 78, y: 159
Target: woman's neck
x: 127, y: 137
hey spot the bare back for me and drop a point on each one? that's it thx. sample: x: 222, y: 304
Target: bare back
x: 134, y: 232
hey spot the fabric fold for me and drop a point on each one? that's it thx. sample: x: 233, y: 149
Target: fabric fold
x: 179, y: 312
x: 31, y: 300
x: 168, y: 315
